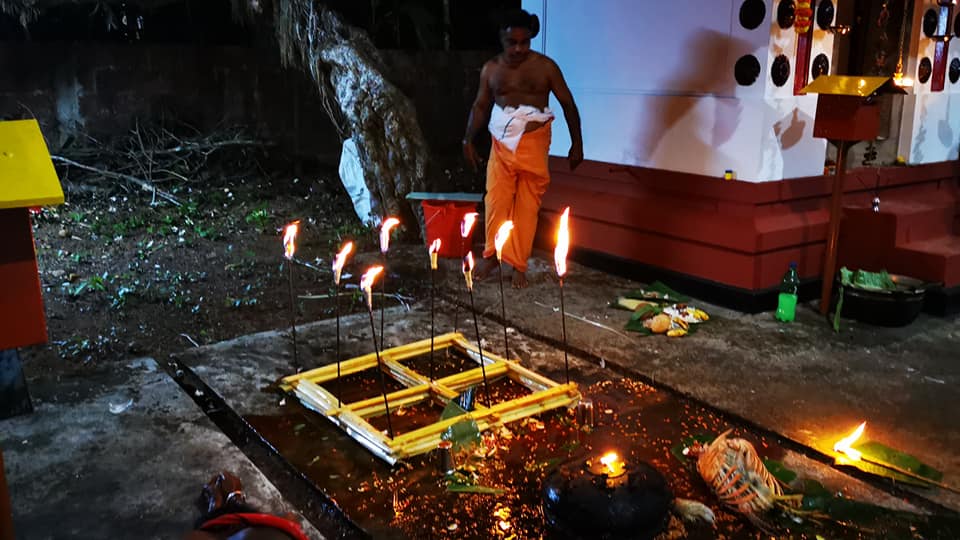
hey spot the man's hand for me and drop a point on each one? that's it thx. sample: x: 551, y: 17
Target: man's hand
x: 470, y: 154
x: 575, y: 156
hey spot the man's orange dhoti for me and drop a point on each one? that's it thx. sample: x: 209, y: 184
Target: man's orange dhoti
x: 516, y: 182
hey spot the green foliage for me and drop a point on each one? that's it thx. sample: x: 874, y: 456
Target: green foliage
x: 128, y: 225
x: 119, y: 298
x: 80, y: 347
x: 91, y: 284
x: 258, y: 217
x: 78, y: 257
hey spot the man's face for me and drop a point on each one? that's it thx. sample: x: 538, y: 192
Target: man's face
x: 516, y: 44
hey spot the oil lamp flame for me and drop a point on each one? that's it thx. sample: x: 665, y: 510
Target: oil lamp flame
x: 388, y: 224
x: 563, y: 243
x: 613, y: 466
x: 290, y: 239
x: 500, y: 239
x: 467, y: 224
x: 340, y: 261
x: 366, y: 283
x: 901, y: 81
x: 468, y: 270
x: 844, y: 445
x: 434, y: 252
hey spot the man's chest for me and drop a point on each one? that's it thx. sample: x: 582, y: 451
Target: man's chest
x: 525, y: 81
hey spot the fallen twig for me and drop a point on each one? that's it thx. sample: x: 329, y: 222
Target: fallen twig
x: 588, y: 321
x: 144, y: 185
x: 190, y: 339
x: 402, y: 300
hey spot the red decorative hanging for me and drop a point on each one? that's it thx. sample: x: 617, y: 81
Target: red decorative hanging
x: 803, y: 14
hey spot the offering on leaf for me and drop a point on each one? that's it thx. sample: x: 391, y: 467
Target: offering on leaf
x: 674, y: 320
x: 658, y: 324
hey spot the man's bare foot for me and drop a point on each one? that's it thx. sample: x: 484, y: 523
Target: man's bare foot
x: 520, y: 280
x: 484, y: 268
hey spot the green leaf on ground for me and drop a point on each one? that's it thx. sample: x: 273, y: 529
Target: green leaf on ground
x: 876, y: 451
x: 658, y: 292
x: 836, y: 313
x: 462, y: 434
x: 643, y: 313
x: 780, y: 471
x: 468, y: 488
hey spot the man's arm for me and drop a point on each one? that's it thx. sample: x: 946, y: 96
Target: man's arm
x: 560, y: 89
x: 479, y: 115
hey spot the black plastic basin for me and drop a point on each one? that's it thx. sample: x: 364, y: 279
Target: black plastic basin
x: 885, y: 308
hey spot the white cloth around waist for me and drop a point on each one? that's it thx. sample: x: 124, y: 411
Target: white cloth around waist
x: 508, y: 124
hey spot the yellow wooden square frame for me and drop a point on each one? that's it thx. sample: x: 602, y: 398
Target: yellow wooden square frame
x: 352, y: 417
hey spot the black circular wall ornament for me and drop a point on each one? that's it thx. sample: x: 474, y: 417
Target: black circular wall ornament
x: 780, y: 71
x: 825, y: 12
x: 955, y: 70
x: 752, y: 13
x: 746, y: 70
x: 930, y: 20
x: 786, y: 13
x: 924, y: 70
x: 820, y: 66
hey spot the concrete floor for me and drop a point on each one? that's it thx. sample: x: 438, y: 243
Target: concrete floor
x: 800, y: 380
x: 77, y: 470
x: 121, y: 456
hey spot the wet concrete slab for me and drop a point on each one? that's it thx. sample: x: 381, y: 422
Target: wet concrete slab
x: 386, y: 500
x: 800, y: 379
x: 122, y: 454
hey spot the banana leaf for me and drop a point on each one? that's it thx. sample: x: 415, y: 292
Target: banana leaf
x: 463, y: 434
x: 851, y: 513
x: 658, y: 292
x: 635, y: 323
x: 861, y: 279
x: 836, y: 313
x: 875, y: 451
x: 470, y: 488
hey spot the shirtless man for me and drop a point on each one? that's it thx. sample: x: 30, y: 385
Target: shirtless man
x: 512, y: 102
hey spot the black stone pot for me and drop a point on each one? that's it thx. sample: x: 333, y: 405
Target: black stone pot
x: 580, y: 504
x: 894, y: 308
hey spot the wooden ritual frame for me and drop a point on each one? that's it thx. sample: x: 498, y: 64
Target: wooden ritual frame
x: 352, y: 417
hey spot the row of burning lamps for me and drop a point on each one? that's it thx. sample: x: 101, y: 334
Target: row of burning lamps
x: 611, y: 463
x: 368, y: 279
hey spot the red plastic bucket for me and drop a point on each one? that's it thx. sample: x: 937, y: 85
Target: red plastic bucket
x: 442, y: 219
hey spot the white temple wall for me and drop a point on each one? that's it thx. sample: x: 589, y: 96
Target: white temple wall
x: 655, y: 85
x: 931, y: 119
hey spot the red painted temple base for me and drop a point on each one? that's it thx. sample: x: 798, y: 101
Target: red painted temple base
x: 21, y: 305
x: 741, y: 236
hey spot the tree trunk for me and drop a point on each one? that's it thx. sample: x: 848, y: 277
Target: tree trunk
x: 346, y: 69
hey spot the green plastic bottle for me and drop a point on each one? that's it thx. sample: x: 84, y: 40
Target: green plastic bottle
x: 787, y: 302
